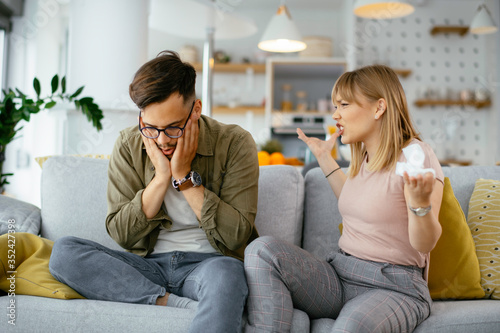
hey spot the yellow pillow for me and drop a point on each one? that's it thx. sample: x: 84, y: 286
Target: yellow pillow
x: 484, y: 223
x: 26, y: 257
x: 454, y: 267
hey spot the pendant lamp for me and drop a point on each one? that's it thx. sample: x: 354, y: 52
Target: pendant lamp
x: 483, y: 22
x: 281, y: 34
x: 379, y: 9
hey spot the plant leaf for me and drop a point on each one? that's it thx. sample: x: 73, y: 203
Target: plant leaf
x: 77, y: 92
x: 50, y: 105
x: 86, y: 100
x: 9, y: 105
x: 63, y: 84
x: 54, y: 83
x: 36, y: 85
x: 20, y: 93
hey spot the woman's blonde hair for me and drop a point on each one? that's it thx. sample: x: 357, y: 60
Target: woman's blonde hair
x: 376, y: 82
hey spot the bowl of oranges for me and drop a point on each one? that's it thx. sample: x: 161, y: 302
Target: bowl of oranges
x: 270, y: 154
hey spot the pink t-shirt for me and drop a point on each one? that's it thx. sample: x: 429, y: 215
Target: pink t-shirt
x: 375, y: 216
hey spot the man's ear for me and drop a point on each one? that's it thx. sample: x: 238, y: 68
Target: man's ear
x: 197, y: 108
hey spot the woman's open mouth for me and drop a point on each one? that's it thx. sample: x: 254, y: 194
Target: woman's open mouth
x: 341, y: 129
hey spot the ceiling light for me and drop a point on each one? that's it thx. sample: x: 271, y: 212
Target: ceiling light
x: 378, y: 9
x: 281, y: 34
x: 483, y: 22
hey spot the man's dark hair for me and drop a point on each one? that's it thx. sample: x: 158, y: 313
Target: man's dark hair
x: 160, y: 77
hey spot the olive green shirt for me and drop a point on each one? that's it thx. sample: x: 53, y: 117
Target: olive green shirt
x: 226, y: 159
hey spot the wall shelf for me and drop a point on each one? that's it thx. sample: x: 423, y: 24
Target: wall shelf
x: 241, y: 109
x: 402, y: 72
x: 450, y: 29
x: 452, y: 162
x: 430, y: 102
x: 261, y: 68
x: 233, y: 67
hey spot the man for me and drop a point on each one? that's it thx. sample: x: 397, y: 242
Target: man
x: 182, y: 199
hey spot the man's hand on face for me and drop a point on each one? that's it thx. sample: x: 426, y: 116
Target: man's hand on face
x: 185, y: 150
x: 159, y: 160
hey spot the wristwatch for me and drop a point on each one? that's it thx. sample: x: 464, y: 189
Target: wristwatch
x: 192, y: 179
x: 420, y: 211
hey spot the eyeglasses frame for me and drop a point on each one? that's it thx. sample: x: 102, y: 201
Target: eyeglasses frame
x: 166, y: 128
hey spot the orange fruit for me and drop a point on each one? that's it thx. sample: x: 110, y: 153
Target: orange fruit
x: 277, y: 158
x: 264, y: 158
x: 293, y: 161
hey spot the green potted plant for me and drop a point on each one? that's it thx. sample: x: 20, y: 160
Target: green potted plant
x: 17, y: 106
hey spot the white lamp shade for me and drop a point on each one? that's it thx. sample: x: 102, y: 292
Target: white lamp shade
x: 281, y: 34
x: 483, y: 23
x: 189, y: 18
x: 380, y: 9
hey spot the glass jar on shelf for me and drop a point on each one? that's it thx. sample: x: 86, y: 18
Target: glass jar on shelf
x: 301, y: 100
x: 286, y: 102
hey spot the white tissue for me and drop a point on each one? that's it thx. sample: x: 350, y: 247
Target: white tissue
x: 414, y: 164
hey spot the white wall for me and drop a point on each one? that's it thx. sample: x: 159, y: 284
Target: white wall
x: 101, y: 58
x: 440, y: 62
x: 33, y: 52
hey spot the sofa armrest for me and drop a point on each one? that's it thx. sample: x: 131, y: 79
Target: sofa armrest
x: 24, y: 216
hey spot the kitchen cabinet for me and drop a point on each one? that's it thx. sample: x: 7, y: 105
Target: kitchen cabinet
x: 313, y: 76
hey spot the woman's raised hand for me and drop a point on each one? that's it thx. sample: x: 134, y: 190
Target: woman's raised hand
x: 318, y: 147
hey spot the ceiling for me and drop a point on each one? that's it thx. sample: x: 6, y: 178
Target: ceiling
x: 295, y: 4
x: 304, y: 4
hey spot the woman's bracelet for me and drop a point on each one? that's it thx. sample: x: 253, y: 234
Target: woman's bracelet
x: 332, y: 172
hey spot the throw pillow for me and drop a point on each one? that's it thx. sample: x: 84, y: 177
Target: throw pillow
x: 19, y: 216
x: 484, y: 223
x: 454, y: 267
x: 40, y: 160
x: 26, y: 259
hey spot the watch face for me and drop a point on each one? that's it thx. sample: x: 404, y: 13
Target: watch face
x: 196, y: 178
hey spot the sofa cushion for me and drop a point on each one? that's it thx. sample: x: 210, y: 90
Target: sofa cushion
x: 467, y: 316
x: 30, y: 262
x: 484, y: 223
x: 454, y: 268
x: 281, y: 203
x: 463, y: 179
x: 19, y: 216
x: 73, y: 199
x: 40, y: 314
x: 321, y: 216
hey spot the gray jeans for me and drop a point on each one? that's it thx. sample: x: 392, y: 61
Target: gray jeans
x: 96, y: 272
x: 361, y: 295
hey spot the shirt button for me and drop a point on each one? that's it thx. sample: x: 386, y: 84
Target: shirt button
x: 152, y: 168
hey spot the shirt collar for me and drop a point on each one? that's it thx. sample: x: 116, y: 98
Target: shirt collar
x: 204, y: 137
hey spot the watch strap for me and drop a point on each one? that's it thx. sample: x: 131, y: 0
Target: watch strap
x: 177, y: 183
x: 420, y: 211
x: 186, y: 184
x: 192, y: 179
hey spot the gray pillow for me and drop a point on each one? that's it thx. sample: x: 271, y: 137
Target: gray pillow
x: 23, y: 216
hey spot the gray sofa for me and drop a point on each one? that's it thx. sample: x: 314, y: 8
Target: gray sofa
x: 301, y: 210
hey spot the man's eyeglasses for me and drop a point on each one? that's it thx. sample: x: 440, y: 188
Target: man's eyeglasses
x: 171, y: 131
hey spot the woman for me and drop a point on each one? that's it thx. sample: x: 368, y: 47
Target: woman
x: 377, y: 281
